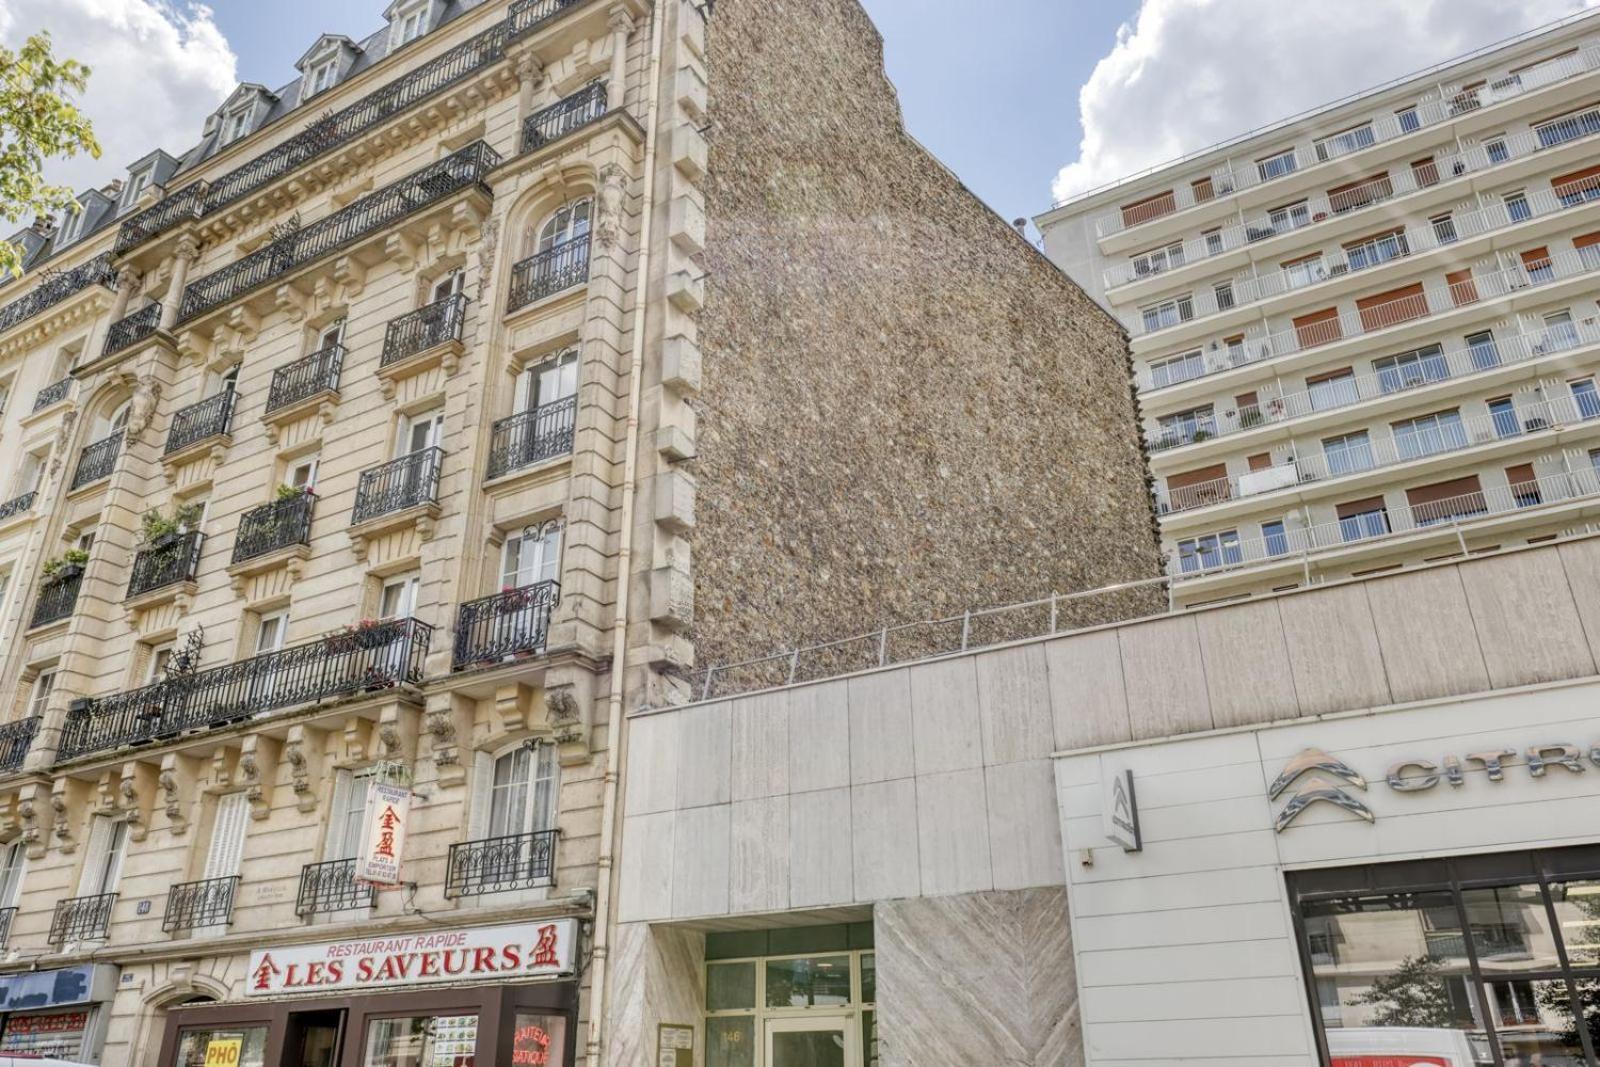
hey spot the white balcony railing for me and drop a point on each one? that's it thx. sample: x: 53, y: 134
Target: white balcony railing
x: 1215, y: 554
x: 1425, y: 367
x: 1362, y: 453
x: 1243, y: 290
x: 1237, y: 175
x: 1437, y: 298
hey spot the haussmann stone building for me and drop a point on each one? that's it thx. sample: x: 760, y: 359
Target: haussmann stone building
x: 373, y: 457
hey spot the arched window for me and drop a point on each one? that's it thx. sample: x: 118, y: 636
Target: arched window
x: 569, y: 223
x: 522, y: 791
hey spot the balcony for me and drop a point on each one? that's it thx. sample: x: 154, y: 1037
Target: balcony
x: 1430, y: 367
x: 273, y: 527
x: 195, y: 905
x: 340, y: 128
x: 549, y: 273
x: 1377, y: 452
x: 330, y: 887
x: 53, y: 393
x: 129, y: 331
x: 97, y: 461
x: 56, y: 286
x: 16, y: 738
x: 211, y: 417
x: 502, y: 865
x: 408, y: 482
x: 1229, y: 178
x: 385, y: 656
x: 305, y: 378
x: 465, y: 169
x: 1437, y: 299
x: 561, y: 118
x: 1246, y: 289
x: 1293, y: 545
x: 17, y: 505
x: 531, y: 437
x: 513, y: 622
x: 82, y: 919
x: 424, y: 330
x: 176, y: 559
x: 57, y: 597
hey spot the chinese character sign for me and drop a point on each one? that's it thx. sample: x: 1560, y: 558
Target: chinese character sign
x: 388, y: 814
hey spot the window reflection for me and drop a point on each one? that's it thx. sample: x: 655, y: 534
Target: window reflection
x: 1536, y: 1025
x: 1578, y: 913
x: 1510, y: 929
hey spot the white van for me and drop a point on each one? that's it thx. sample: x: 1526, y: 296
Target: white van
x: 1399, y: 1046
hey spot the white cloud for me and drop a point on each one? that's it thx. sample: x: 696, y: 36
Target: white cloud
x: 157, y: 71
x: 1188, y: 73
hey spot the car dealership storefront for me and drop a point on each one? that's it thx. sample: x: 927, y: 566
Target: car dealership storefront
x: 451, y: 997
x: 1418, y: 885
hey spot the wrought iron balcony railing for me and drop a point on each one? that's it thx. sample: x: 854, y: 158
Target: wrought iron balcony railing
x: 329, y: 132
x: 382, y: 656
x: 461, y: 170
x: 531, y: 437
x: 176, y: 559
x: 407, y: 482
x: 514, y: 621
x: 97, y: 460
x: 7, y: 917
x: 502, y: 864
x: 56, y: 286
x: 561, y: 118
x: 332, y: 886
x: 425, y: 328
x: 57, y: 598
x: 16, y: 738
x: 17, y: 505
x: 548, y: 273
x: 210, y: 417
x: 132, y: 329
x: 306, y: 377
x: 82, y: 919
x: 273, y: 526
x: 54, y: 393
x: 193, y: 905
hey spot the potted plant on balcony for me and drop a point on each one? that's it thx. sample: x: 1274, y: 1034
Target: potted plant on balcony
x: 294, y: 492
x: 70, y: 565
x: 158, y: 531
x: 366, y: 634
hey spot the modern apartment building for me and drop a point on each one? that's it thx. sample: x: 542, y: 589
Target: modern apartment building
x: 380, y: 450
x: 1366, y: 336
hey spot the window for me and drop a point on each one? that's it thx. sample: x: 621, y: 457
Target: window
x: 137, y: 184
x: 1277, y: 166
x: 452, y: 284
x: 1538, y: 265
x: 1517, y: 209
x: 1428, y: 435
x: 531, y: 557
x: 330, y: 335
x: 1187, y: 427
x: 781, y: 1010
x: 156, y: 665
x: 1483, y: 350
x: 1560, y: 333
x: 1584, y: 395
x: 1290, y: 216
x: 225, y: 851
x: 1167, y: 313
x: 569, y: 223
x: 1158, y: 260
x: 13, y: 866
x: 1376, y: 250
x: 410, y: 26
x: 102, y: 858
x: 39, y: 699
x: 347, y: 815
x: 1203, y: 190
x: 1302, y: 272
x: 321, y: 77
x: 1182, y: 368
x: 1524, y: 485
x: 1333, y: 390
x: 1588, y: 248
x: 421, y: 1039
x: 523, y: 791
x: 270, y: 632
x: 235, y: 126
x: 1363, y: 519
x: 302, y: 472
x: 398, y: 598
x: 1503, y: 415
x: 1348, y: 453
x: 1411, y: 369
x: 1224, y: 295
x: 1444, y: 228
x: 1339, y: 144
x: 1214, y: 244
x: 1275, y: 537
x: 71, y: 223
x: 421, y: 431
x: 1496, y: 149
x: 1409, y: 120
x: 554, y: 379
x: 1567, y: 129
x: 1212, y: 550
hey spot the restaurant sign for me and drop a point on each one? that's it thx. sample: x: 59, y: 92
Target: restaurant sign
x: 387, y: 818
x: 519, y: 950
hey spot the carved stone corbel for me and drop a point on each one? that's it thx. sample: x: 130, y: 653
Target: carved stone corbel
x: 290, y: 301
x: 466, y: 226
x: 359, y: 742
x: 225, y: 768
x: 513, y: 709
x: 33, y: 803
x: 351, y: 276
x: 258, y: 769
x: 302, y: 751
x: 67, y: 797
x: 137, y: 794
x: 397, y: 731
x: 402, y: 251
x: 448, y: 721
x: 177, y: 780
x: 569, y: 702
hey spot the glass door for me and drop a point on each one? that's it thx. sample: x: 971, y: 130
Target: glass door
x: 822, y: 1041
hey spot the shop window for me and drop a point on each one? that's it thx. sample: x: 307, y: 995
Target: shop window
x: 539, y: 1040
x: 421, y: 1041
x: 56, y: 1035
x: 199, y: 1047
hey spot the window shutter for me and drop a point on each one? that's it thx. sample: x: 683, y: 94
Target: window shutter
x: 95, y: 854
x: 1357, y: 507
x: 1588, y: 240
x: 1260, y: 461
x: 478, y: 809
x: 1213, y: 473
x: 334, y: 847
x: 1432, y: 494
x: 1521, y: 474
x: 546, y: 791
x: 227, y: 836
x: 1534, y: 258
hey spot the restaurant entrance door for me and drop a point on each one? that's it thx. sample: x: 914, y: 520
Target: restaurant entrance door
x: 812, y: 1041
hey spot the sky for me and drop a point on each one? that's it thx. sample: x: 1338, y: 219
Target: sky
x: 1026, y: 100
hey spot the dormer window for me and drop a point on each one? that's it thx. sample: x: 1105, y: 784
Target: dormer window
x: 71, y: 225
x: 410, y: 26
x: 235, y: 126
x: 137, y: 184
x: 322, y: 76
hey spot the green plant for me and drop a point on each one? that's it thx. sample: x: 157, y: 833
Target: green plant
x: 289, y: 492
x: 72, y: 557
x: 153, y: 526
x: 76, y: 557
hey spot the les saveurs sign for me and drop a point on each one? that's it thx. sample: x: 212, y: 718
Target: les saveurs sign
x: 519, y: 950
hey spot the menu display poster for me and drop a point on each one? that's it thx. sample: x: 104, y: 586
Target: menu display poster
x: 674, y: 1045
x: 455, y: 1039
x: 57, y: 1034
x: 224, y: 1051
